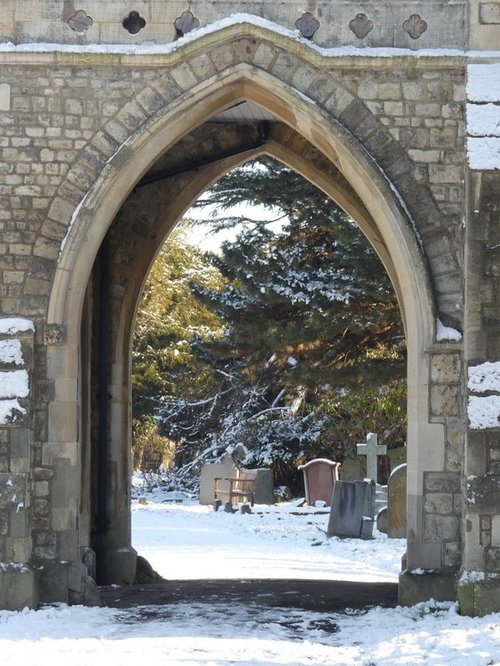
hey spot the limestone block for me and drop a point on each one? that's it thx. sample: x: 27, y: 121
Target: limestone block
x: 445, y: 368
x: 417, y: 587
x: 495, y: 530
x: 264, y: 56
x: 12, y: 489
x: 4, y: 523
x: 63, y: 419
x: 452, y: 556
x: 18, y: 523
x: 483, y: 494
x: 167, y: 88
x: 284, y: 65
x: 116, y: 131
x: 5, y: 90
x: 245, y: 49
x: 438, y: 503
x: 444, y: 400
x: 442, y: 482
x: 440, y: 528
x: 184, y: 77
x: 412, y: 90
x: 132, y: 115
x: 18, y: 587
x: 454, y: 444
x: 478, y: 594
x: 493, y: 560
x: 61, y: 211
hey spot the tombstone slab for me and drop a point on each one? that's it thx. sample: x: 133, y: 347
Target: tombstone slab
x: 396, y: 503
x: 264, y: 486
x: 353, y: 509
x: 211, y: 472
x: 320, y: 475
x: 382, y: 520
x: 353, y: 469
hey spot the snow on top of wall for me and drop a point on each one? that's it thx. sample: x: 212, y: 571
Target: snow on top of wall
x: 484, y: 412
x: 9, y: 325
x: 14, y: 384
x: 150, y: 48
x: 483, y: 82
x: 446, y: 332
x: 484, y: 377
x: 8, y: 409
x: 11, y: 352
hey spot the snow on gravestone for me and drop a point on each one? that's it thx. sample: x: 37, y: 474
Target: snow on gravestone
x: 320, y: 476
x: 396, y: 503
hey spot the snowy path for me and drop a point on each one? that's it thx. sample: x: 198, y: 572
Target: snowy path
x: 189, y: 541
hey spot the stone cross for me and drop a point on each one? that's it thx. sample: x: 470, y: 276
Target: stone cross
x: 371, y: 450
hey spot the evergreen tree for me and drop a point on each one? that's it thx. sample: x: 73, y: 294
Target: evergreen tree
x: 169, y: 318
x: 309, y: 316
x: 314, y: 297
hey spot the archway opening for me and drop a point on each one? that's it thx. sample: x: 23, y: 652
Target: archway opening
x: 297, y: 136
x: 133, y: 239
x: 302, y: 359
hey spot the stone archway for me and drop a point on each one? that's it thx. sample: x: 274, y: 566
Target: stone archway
x: 377, y: 209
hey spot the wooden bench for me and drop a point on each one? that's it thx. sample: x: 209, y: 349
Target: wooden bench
x: 241, y: 487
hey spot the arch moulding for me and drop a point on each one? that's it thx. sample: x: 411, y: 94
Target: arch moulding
x: 386, y: 222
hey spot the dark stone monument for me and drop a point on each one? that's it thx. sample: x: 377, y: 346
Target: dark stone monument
x: 396, y: 503
x: 353, y: 509
x: 320, y: 475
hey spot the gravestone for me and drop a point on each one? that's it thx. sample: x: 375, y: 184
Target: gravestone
x: 397, y: 457
x: 382, y: 520
x: 396, y: 503
x: 352, y: 469
x: 353, y: 509
x: 264, y: 486
x: 320, y: 476
x: 371, y: 449
x: 227, y: 468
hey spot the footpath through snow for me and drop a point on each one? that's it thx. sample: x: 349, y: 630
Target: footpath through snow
x: 189, y: 541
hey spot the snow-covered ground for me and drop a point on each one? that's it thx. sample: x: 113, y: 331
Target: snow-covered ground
x: 188, y: 541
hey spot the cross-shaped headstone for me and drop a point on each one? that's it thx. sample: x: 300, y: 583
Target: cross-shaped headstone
x: 371, y: 449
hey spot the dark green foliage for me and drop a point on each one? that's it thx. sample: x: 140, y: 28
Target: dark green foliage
x: 304, y: 353
x: 314, y: 297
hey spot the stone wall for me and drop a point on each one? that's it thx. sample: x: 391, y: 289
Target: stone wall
x: 408, y: 24
x: 73, y: 121
x: 16, y: 434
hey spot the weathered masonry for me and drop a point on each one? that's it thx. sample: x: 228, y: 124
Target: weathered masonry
x: 114, y: 117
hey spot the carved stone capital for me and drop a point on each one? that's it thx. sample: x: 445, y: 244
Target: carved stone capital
x: 53, y: 334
